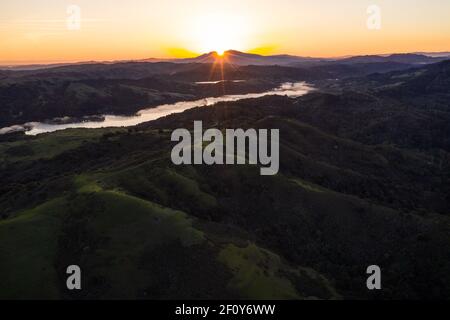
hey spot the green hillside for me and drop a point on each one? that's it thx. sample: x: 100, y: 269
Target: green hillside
x: 364, y: 179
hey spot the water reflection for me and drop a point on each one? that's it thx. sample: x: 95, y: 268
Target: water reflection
x: 34, y: 128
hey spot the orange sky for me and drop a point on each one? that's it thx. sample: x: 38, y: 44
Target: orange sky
x: 37, y: 30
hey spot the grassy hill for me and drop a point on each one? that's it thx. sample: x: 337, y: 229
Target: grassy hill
x: 348, y: 195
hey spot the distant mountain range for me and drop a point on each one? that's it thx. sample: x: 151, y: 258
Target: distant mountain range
x: 245, y: 59
x: 242, y: 58
x: 409, y: 58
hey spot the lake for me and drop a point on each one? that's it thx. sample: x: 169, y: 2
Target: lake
x: 290, y: 89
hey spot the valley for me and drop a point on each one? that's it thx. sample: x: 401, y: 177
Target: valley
x: 364, y: 178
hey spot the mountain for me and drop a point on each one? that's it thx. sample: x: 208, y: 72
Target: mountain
x: 337, y: 70
x: 431, y: 80
x: 244, y: 59
x: 37, y: 66
x: 408, y: 108
x: 435, y: 54
x: 407, y: 58
x: 241, y: 58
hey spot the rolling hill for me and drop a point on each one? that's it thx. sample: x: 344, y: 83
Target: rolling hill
x: 364, y: 179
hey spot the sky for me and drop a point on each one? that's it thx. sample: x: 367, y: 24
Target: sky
x: 37, y: 31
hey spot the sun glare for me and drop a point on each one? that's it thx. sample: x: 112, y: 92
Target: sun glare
x: 219, y: 33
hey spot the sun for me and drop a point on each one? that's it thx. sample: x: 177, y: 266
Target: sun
x: 219, y: 33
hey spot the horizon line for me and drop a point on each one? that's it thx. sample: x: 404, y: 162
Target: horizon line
x: 10, y: 63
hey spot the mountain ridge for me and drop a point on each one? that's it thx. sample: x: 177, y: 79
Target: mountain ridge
x: 244, y: 58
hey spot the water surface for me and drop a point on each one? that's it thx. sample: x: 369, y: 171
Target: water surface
x: 34, y: 128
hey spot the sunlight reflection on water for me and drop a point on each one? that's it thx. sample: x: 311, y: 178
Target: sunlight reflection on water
x: 34, y: 128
